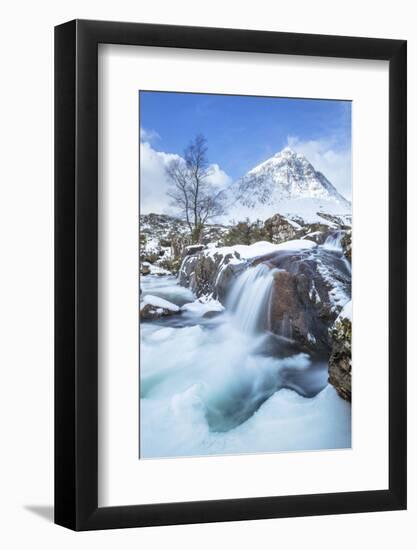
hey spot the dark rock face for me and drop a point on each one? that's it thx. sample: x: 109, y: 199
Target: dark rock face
x: 347, y: 245
x: 193, y: 249
x: 150, y: 312
x: 208, y: 273
x: 226, y: 278
x: 301, y: 304
x: 294, y: 315
x: 340, y: 362
x: 302, y: 309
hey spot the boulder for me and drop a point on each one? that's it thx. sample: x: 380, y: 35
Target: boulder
x: 306, y: 295
x: 300, y: 308
x: 153, y: 307
x: 206, y: 272
x: 193, y: 249
x: 340, y: 362
x: 317, y: 232
x: 279, y: 229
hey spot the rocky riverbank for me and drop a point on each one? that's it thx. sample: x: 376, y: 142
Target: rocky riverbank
x: 311, y: 286
x: 311, y: 276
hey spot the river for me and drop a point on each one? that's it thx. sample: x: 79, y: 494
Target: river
x: 224, y: 384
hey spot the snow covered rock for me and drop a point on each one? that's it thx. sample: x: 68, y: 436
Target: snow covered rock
x: 201, y: 271
x: 193, y: 249
x: 165, y: 239
x: 154, y: 307
x: 340, y: 362
x: 203, y: 307
x: 212, y: 271
x: 281, y: 229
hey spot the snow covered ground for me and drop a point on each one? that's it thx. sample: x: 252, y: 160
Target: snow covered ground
x: 208, y: 390
x: 248, y: 252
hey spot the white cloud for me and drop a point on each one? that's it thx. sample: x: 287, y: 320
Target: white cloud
x: 334, y: 164
x: 154, y: 183
x: 218, y: 177
x: 148, y: 135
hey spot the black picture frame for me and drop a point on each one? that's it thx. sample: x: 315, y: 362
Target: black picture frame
x: 76, y: 272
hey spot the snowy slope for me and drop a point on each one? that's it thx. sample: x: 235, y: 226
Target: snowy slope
x: 286, y: 183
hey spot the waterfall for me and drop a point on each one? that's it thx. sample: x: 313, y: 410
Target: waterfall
x: 334, y: 241
x: 250, y: 297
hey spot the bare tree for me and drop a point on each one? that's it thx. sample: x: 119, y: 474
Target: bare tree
x: 192, y: 192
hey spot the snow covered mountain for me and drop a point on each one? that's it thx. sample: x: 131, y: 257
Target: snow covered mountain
x: 286, y: 183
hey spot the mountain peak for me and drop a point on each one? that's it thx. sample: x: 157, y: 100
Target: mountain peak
x: 288, y: 155
x: 287, y: 177
x: 286, y: 152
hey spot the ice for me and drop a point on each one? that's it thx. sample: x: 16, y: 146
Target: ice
x: 202, y: 306
x: 215, y: 389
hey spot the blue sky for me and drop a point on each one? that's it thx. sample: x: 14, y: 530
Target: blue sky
x: 243, y: 131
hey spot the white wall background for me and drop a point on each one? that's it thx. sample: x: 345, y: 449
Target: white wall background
x: 26, y: 299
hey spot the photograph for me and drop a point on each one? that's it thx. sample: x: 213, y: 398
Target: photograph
x: 245, y: 274
x: 209, y: 271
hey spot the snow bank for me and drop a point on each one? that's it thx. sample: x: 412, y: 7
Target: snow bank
x: 166, y: 288
x: 261, y: 248
x: 155, y: 269
x: 285, y: 422
x: 346, y: 312
x: 155, y: 301
x: 202, y: 305
x: 222, y: 395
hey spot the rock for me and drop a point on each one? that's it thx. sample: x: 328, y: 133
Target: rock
x: 317, y: 232
x: 225, y: 279
x: 340, y: 362
x: 149, y: 312
x: 305, y: 297
x: 153, y: 307
x: 165, y: 243
x: 193, y: 249
x: 206, y: 272
x: 164, y: 240
x: 338, y: 222
x: 316, y: 236
x: 145, y: 269
x: 347, y: 245
x: 150, y: 257
x: 296, y: 309
x: 279, y: 229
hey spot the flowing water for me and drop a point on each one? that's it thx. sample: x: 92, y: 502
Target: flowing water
x: 249, y: 299
x: 334, y: 241
x: 226, y: 385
